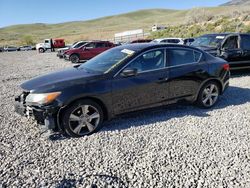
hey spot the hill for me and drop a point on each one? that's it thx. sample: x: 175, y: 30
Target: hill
x: 103, y: 28
x: 237, y: 2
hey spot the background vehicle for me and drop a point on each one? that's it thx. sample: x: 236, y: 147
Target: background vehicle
x: 1, y: 49
x: 234, y: 48
x: 25, y: 48
x: 87, y: 51
x: 169, y: 40
x: 188, y: 41
x: 61, y: 51
x: 141, y: 41
x: 11, y: 48
x: 49, y: 43
x: 123, y: 79
x: 210, y: 42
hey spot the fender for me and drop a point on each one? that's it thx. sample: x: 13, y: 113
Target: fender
x: 207, y: 80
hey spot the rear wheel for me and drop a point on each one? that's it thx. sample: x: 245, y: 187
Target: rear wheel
x: 74, y: 58
x: 83, y: 118
x: 208, y: 95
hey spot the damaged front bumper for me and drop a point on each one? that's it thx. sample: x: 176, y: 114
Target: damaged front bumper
x: 44, y: 115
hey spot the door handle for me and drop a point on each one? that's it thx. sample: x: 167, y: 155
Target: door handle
x: 162, y: 80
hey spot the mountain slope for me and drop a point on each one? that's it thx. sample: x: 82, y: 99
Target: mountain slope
x: 102, y: 28
x: 237, y: 2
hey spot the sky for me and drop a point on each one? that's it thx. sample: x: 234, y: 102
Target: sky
x: 14, y: 12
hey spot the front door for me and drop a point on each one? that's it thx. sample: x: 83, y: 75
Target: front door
x: 231, y: 51
x: 87, y: 51
x: 245, y: 46
x: 147, y: 88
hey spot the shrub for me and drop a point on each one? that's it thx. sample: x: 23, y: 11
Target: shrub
x: 198, y: 15
x: 27, y: 40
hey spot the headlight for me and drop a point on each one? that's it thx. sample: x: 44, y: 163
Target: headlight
x: 42, y: 98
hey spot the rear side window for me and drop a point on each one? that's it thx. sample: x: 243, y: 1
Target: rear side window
x: 100, y: 45
x: 183, y: 57
x: 245, y: 42
x: 231, y: 43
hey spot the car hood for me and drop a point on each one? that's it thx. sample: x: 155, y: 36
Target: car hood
x: 57, y: 80
x: 63, y: 49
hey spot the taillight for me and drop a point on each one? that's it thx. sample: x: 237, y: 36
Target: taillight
x: 226, y: 67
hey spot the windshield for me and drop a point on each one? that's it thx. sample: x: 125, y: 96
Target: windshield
x: 208, y: 41
x: 78, y: 45
x: 107, y: 60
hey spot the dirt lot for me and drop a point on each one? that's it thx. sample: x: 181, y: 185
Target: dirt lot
x: 177, y: 146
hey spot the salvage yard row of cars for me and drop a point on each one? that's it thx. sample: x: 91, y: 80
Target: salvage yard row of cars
x: 14, y: 48
x: 232, y: 47
x: 125, y: 78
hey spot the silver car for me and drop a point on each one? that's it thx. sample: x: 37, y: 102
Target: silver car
x: 25, y: 48
x: 10, y: 48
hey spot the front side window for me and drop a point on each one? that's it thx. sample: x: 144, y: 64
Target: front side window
x: 183, y: 56
x: 148, y: 61
x: 231, y: 43
x: 91, y: 45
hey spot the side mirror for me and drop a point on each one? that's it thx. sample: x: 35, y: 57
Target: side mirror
x: 129, y: 72
x: 76, y: 66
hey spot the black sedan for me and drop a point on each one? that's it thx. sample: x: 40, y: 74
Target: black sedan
x: 124, y: 79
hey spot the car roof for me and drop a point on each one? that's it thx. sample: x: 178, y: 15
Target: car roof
x: 169, y: 38
x: 220, y: 34
x: 137, y: 47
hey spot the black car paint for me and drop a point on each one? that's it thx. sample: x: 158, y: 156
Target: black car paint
x: 237, y: 58
x: 118, y: 94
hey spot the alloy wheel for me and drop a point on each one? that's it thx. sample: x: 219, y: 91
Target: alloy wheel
x: 210, y: 95
x: 74, y: 59
x: 84, y: 120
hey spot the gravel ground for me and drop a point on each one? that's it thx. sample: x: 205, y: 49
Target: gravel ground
x: 177, y: 146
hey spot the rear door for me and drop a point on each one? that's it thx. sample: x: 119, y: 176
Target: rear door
x: 186, y: 71
x: 101, y: 47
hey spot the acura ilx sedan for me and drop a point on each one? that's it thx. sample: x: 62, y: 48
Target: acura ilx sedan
x: 127, y: 78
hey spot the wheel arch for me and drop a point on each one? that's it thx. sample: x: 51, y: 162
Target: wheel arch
x: 106, y: 113
x: 210, y: 80
x: 77, y: 54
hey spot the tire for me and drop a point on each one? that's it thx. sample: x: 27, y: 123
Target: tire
x: 41, y: 50
x: 74, y: 58
x: 77, y: 121
x: 208, y: 95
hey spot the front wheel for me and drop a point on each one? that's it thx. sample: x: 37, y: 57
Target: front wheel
x: 208, y: 95
x: 83, y: 118
x: 41, y: 50
x: 74, y: 58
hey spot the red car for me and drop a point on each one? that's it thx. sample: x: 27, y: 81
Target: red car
x: 141, y: 41
x: 87, y: 51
